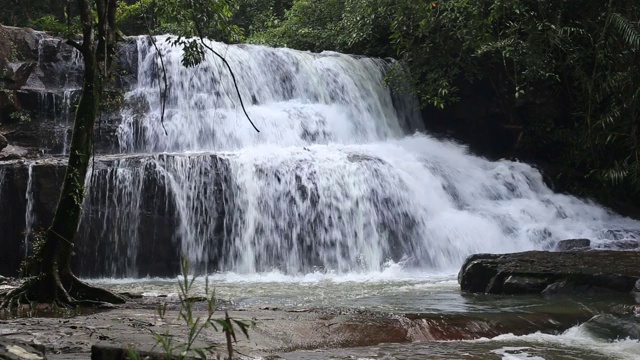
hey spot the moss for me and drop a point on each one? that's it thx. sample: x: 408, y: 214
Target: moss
x: 21, y: 116
x: 111, y: 100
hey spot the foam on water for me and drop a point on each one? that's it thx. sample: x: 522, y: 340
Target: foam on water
x: 578, y: 337
x: 391, y: 273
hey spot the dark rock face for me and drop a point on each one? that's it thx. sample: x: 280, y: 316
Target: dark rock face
x: 40, y: 82
x: 46, y: 178
x: 106, y: 244
x: 623, y: 245
x: 573, y: 244
x: 3, y: 142
x: 545, y: 272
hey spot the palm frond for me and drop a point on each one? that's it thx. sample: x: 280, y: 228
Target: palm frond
x: 627, y: 29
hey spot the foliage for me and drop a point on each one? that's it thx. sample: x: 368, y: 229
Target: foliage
x: 356, y: 26
x: 21, y: 116
x: 23, y: 12
x: 53, y: 25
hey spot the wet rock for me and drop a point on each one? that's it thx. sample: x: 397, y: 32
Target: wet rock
x: 573, y: 244
x: 126, y: 65
x: 40, y: 82
x: 612, y: 327
x: 551, y: 272
x: 132, y: 295
x: 3, y: 142
x: 524, y: 284
x: 96, y: 252
x: 622, y: 245
x: 8, y: 105
x: 16, y: 153
x: 17, y: 350
x: 16, y: 75
x: 104, y: 352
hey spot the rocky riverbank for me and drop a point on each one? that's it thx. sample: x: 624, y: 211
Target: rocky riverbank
x: 277, y: 331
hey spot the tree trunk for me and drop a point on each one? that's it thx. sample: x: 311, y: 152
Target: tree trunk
x: 55, y: 281
x: 61, y: 235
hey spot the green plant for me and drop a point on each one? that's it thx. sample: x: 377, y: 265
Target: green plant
x: 195, y: 324
x: 21, y: 116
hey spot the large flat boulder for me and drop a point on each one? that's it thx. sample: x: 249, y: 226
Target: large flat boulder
x: 551, y: 272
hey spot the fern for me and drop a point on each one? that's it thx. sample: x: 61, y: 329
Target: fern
x: 627, y: 29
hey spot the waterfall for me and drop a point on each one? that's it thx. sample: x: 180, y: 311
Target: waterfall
x: 29, y: 213
x: 295, y: 98
x: 340, y: 177
x: 65, y: 119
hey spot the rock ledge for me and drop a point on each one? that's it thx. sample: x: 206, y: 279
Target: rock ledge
x: 551, y: 272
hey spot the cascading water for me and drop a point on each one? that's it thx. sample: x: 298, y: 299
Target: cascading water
x: 29, y: 214
x: 296, y: 98
x: 336, y: 179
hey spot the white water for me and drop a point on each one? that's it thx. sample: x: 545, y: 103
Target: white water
x: 65, y: 120
x: 29, y: 213
x: 336, y: 180
x: 506, y: 347
x: 294, y: 98
x: 577, y: 337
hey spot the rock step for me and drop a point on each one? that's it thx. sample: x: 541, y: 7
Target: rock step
x: 551, y: 272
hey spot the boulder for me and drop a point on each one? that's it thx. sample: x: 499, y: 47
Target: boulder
x: 18, y: 350
x: 622, y: 245
x: 573, y: 244
x: 536, y: 272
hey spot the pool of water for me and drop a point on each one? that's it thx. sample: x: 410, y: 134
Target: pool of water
x: 392, y: 291
x: 569, y: 327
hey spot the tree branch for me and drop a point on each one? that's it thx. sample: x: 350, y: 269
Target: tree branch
x: 163, y: 92
x: 226, y: 63
x: 233, y: 77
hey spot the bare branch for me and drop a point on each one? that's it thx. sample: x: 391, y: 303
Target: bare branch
x: 224, y: 60
x: 163, y: 92
x: 235, y: 83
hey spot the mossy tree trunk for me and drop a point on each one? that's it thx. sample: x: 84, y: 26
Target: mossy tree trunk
x: 54, y: 280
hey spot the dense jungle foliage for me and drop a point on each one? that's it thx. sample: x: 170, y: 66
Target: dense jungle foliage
x: 562, y: 76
